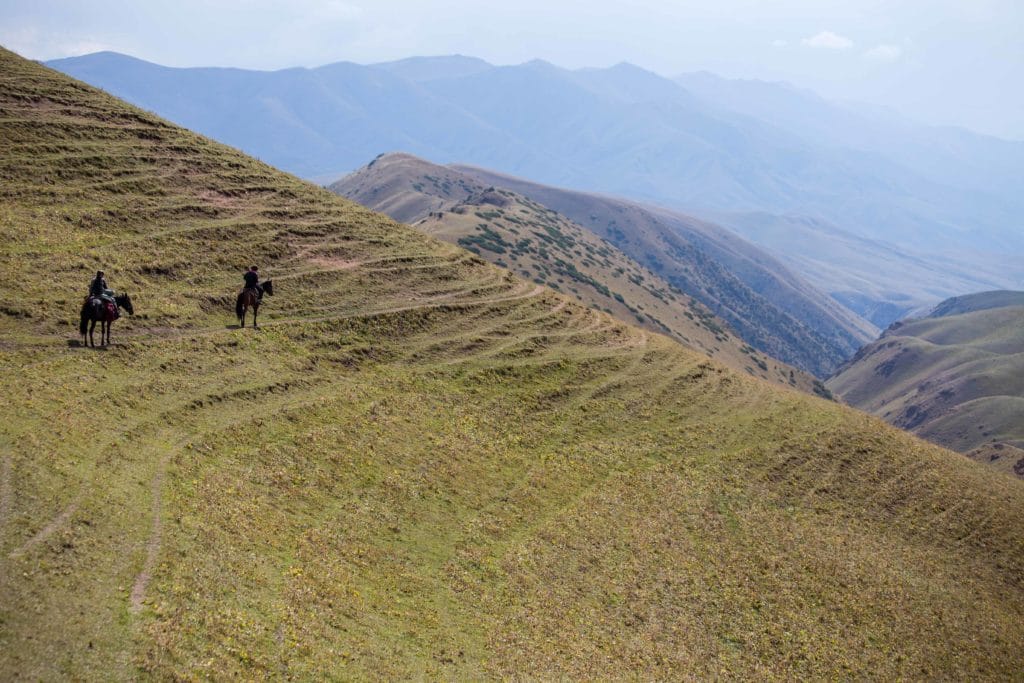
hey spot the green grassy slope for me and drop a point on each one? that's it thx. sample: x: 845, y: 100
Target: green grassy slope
x: 422, y: 467
x: 539, y: 244
x: 955, y: 377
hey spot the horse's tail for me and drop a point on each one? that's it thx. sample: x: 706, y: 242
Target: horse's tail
x: 239, y: 307
x: 83, y: 326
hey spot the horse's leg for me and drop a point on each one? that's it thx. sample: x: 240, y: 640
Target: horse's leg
x: 255, y: 310
x: 92, y: 328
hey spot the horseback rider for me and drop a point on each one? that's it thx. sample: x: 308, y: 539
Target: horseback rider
x: 252, y: 280
x: 98, y: 290
x: 98, y: 285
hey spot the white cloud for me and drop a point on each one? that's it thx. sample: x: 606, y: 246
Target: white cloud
x: 35, y: 44
x: 828, y: 40
x: 884, y: 53
x: 780, y: 43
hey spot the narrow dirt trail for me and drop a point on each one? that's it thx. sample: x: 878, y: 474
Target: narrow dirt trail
x: 167, y: 445
x: 6, y: 491
x: 503, y: 343
x: 144, y: 424
x: 48, y: 530
x: 432, y: 304
x: 155, y: 539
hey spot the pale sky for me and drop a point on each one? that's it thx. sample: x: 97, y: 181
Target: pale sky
x: 957, y: 62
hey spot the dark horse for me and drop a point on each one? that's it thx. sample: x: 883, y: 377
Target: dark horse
x: 96, y: 310
x: 247, y: 299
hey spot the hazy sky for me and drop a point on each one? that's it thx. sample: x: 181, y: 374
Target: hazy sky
x: 940, y: 61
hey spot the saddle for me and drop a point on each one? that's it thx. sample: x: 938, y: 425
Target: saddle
x: 112, y: 310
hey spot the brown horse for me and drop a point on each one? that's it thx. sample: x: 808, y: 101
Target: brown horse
x: 97, y: 310
x: 249, y: 298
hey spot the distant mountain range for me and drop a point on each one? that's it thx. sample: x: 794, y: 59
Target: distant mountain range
x: 954, y: 376
x: 886, y: 215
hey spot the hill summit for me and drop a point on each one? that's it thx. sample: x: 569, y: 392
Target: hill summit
x: 422, y: 466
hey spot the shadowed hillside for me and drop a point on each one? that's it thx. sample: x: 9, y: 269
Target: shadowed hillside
x: 955, y: 377
x: 423, y: 467
x: 769, y: 307
x: 539, y: 244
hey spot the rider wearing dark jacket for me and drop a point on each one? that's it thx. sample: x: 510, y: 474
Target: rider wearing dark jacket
x: 98, y: 286
x: 98, y: 289
x: 252, y: 279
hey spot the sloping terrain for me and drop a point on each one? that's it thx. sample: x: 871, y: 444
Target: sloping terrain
x: 422, y: 467
x: 955, y: 377
x: 940, y: 208
x: 769, y: 307
x: 539, y: 244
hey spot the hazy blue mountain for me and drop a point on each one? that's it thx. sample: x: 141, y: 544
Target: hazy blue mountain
x: 919, y: 214
x: 879, y: 281
x: 423, y: 69
x: 312, y: 122
x: 946, y: 155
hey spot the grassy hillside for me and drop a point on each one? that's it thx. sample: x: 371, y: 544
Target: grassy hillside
x: 955, y: 377
x: 539, y: 244
x: 423, y: 467
x: 769, y: 307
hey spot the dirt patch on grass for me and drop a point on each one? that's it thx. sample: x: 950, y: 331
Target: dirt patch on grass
x: 220, y: 199
x: 5, y: 490
x: 330, y: 263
